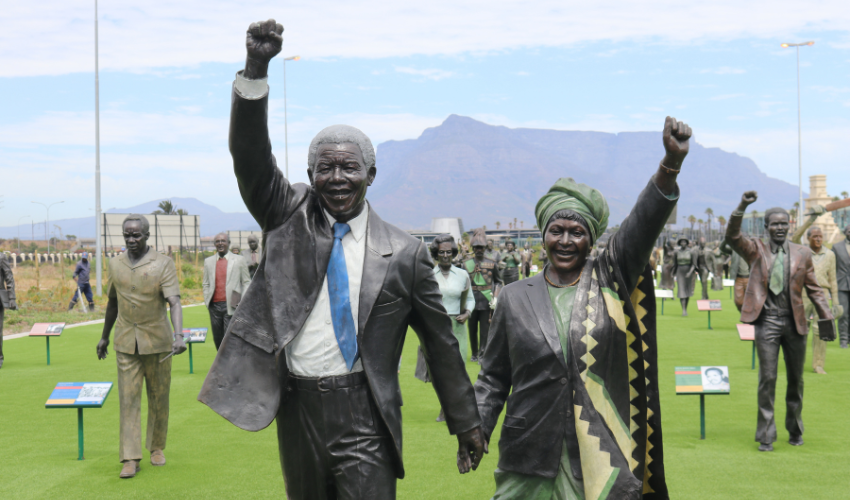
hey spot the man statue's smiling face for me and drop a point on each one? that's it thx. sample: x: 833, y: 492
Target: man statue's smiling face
x: 341, y: 178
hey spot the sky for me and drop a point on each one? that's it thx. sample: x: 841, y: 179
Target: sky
x: 393, y: 70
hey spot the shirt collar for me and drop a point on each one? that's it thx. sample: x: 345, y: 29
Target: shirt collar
x: 148, y: 257
x: 775, y: 248
x: 452, y: 269
x: 357, y: 224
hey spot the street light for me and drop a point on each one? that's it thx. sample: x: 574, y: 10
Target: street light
x: 799, y: 127
x: 285, y: 129
x: 19, y: 233
x: 47, y: 224
x: 98, y: 248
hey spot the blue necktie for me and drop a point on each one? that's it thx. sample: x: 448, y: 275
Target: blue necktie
x: 344, y: 329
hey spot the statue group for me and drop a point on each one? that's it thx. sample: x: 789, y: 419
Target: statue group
x: 313, y: 331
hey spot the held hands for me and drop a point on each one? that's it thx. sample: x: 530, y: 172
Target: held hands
x: 263, y: 41
x: 101, y: 349
x: 471, y: 446
x: 676, y: 136
x: 462, y: 317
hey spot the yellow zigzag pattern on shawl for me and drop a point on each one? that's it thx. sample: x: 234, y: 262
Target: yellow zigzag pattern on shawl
x: 589, y: 325
x: 596, y: 468
x: 601, y: 402
x: 637, y: 297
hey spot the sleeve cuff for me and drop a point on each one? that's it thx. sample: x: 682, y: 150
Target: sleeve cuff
x: 251, y: 89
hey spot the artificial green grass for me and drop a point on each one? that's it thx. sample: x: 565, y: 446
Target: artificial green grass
x: 210, y: 458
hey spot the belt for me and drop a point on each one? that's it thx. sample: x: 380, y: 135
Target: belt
x: 325, y: 384
x: 482, y: 288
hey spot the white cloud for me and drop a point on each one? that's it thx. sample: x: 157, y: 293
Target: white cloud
x: 56, y: 36
x: 726, y: 96
x: 430, y: 74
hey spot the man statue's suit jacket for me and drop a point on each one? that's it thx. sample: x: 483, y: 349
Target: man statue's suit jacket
x: 237, y: 280
x: 802, y: 275
x: 248, y: 379
x: 842, y: 265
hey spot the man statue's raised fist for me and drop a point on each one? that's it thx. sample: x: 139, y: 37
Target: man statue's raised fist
x: 263, y: 41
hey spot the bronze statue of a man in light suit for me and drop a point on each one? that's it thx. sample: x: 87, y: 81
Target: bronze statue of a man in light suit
x: 290, y: 351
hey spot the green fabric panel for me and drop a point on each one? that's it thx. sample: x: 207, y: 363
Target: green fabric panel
x: 562, y: 303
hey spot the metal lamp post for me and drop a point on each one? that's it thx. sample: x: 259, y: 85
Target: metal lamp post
x: 47, y: 223
x: 98, y: 248
x: 285, y: 127
x: 799, y: 126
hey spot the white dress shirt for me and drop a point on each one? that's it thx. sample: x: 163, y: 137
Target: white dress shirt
x: 314, y: 352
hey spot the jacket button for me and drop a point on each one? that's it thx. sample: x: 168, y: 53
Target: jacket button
x: 275, y: 346
x: 133, y: 288
x: 569, y: 413
x: 135, y: 324
x: 306, y: 308
x: 564, y: 381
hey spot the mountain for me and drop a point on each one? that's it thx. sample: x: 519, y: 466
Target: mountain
x: 485, y: 173
x: 213, y: 220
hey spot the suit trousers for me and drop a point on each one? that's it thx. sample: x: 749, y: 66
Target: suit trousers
x: 773, y: 332
x: 818, y: 345
x: 703, y: 281
x: 132, y: 370
x: 740, y: 290
x: 219, y: 320
x: 333, y: 443
x: 479, y: 320
x: 844, y: 320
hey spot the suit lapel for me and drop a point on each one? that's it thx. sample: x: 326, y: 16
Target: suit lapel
x: 375, y: 264
x: 541, y: 306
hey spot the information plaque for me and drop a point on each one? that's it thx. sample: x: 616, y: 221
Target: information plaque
x: 709, y: 305
x: 47, y: 330
x: 79, y: 395
x: 194, y: 336
x: 702, y: 380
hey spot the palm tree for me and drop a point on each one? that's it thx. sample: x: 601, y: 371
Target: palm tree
x: 701, y: 226
x: 180, y: 211
x: 166, y: 208
x: 710, y: 213
x: 722, y: 222
x: 498, y: 225
x: 692, y: 220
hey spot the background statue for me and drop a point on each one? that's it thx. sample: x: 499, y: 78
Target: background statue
x: 254, y: 257
x: 486, y: 282
x: 563, y: 435
x: 684, y: 268
x: 512, y: 261
x: 141, y: 282
x: 719, y: 261
x: 225, y: 279
x: 842, y: 274
x: 7, y: 296
x: 492, y: 252
x: 780, y: 271
x: 668, y: 263
x: 527, y: 260
x: 321, y: 327
x: 705, y: 263
x: 456, y: 289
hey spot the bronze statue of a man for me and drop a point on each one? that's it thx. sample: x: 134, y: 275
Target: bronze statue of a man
x: 704, y: 262
x: 254, y: 257
x: 492, y: 252
x: 486, y: 282
x: 141, y: 282
x: 512, y: 260
x: 318, y: 334
x: 780, y: 271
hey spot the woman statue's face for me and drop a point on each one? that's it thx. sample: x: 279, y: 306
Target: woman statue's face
x: 567, y: 244
x: 510, y: 247
x: 444, y: 254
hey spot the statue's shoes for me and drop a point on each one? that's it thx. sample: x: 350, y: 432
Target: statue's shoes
x: 131, y: 467
x: 157, y: 458
x: 820, y: 370
x: 796, y: 441
x: 766, y: 447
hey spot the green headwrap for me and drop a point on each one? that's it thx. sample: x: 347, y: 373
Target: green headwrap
x: 582, y: 199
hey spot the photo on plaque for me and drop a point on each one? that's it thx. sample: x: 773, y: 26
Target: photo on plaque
x: 47, y: 329
x: 94, y: 392
x: 195, y: 335
x: 715, y: 378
